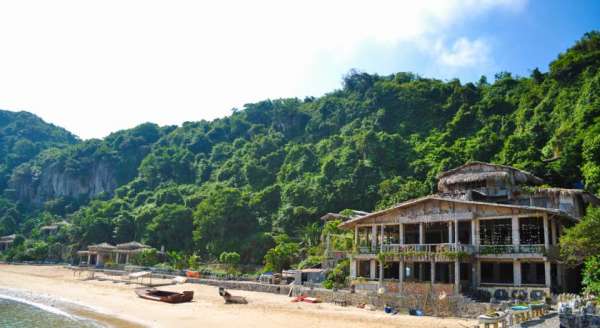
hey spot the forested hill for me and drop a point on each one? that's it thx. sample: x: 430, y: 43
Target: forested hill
x: 23, y: 136
x: 276, y: 166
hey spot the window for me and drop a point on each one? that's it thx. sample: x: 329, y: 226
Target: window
x: 497, y: 272
x: 391, y: 234
x: 495, y: 232
x: 411, y: 233
x: 531, y: 231
x: 364, y: 269
x: 533, y: 273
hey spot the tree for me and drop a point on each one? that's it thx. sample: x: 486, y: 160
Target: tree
x: 283, y: 255
x: 171, y: 227
x: 581, y: 241
x: 231, y: 260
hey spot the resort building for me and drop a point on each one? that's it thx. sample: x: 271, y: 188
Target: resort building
x: 6, y: 241
x: 99, y: 254
x: 489, y: 227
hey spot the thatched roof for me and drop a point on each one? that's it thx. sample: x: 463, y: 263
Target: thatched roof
x: 132, y: 245
x: 481, y: 171
x: 353, y: 222
x: 587, y: 197
x: 101, y: 246
x: 338, y: 216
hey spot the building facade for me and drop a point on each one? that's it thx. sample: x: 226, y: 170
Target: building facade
x: 488, y: 227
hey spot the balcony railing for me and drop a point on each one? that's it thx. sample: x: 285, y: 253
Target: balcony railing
x: 462, y: 249
x: 517, y: 249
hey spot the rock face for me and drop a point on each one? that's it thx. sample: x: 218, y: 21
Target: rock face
x: 37, y: 185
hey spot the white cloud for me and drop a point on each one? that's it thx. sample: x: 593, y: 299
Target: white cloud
x: 463, y: 53
x: 98, y: 66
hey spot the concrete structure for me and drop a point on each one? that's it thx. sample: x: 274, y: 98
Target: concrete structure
x: 52, y: 229
x: 6, y: 242
x: 489, y: 227
x: 99, y: 254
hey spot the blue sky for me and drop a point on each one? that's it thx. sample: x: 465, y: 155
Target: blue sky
x: 97, y: 67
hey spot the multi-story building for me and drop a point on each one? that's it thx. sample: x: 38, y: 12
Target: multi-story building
x: 488, y: 227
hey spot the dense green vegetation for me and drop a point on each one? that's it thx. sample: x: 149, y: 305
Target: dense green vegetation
x: 257, y: 181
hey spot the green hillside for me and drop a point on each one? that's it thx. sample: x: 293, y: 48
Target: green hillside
x: 276, y: 166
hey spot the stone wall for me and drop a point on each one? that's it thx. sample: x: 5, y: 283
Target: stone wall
x: 435, y: 304
x: 243, y: 285
x: 441, y: 302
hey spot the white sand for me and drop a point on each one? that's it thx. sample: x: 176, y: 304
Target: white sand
x: 207, y: 309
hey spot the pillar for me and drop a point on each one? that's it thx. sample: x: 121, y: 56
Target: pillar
x: 517, y: 280
x: 476, y: 270
x: 546, y: 230
x: 401, y: 276
x: 547, y: 274
x: 372, y: 270
x: 449, y: 232
x: 373, y: 237
x: 127, y: 258
x: 421, y: 233
x: 382, y: 238
x: 456, y: 276
x: 559, y: 276
x: 475, y: 232
x: 515, y: 231
x: 353, y: 264
x: 553, y: 229
x: 456, y: 241
x: 88, y: 259
x: 356, y: 236
x: 432, y: 266
x: 401, y: 233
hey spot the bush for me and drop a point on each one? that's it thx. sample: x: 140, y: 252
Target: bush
x: 147, y: 257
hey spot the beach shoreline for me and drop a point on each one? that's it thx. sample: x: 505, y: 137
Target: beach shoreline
x: 116, y: 305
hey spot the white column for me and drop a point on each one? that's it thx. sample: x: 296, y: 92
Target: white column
x: 382, y: 235
x: 353, y: 268
x: 456, y: 241
x: 372, y: 270
x: 401, y: 277
x: 547, y: 274
x: 456, y: 276
x: 449, y: 232
x: 517, y: 280
x: 401, y: 234
x: 127, y: 258
x: 477, y: 272
x: 421, y: 233
x: 554, y: 234
x: 515, y: 231
x: 373, y: 237
x: 432, y: 266
x: 560, y: 276
x: 473, y: 231
x: 546, y: 230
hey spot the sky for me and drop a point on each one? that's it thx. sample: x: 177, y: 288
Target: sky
x: 95, y: 67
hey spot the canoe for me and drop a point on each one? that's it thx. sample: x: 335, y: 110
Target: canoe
x: 164, y: 296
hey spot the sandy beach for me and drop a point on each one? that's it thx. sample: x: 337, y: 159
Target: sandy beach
x: 117, y: 305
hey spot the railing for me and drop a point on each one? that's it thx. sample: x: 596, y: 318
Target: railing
x: 426, y: 248
x: 512, y: 249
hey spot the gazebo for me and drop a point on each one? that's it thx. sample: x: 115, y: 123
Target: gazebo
x: 100, y: 253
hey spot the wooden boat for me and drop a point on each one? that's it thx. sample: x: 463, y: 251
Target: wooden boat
x: 230, y: 299
x: 164, y: 296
